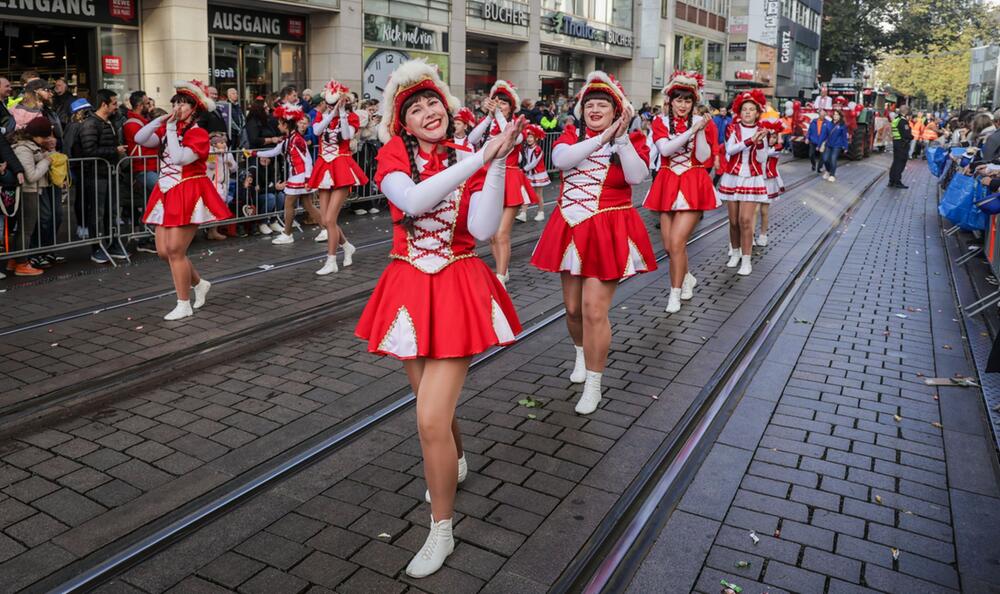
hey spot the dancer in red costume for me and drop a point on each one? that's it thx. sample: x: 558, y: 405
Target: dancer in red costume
x: 184, y: 197
x: 437, y: 304
x: 743, y: 183
x: 533, y: 164
x: 500, y: 106
x: 596, y: 237
x: 335, y: 172
x: 687, y: 144
x: 465, y: 122
x: 772, y: 179
x: 300, y: 166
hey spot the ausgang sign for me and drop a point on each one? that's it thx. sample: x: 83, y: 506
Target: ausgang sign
x: 507, y: 13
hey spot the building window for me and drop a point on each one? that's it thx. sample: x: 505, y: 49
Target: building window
x: 713, y: 65
x: 804, y: 73
x: 688, y: 53
x: 660, y: 67
x: 426, y: 11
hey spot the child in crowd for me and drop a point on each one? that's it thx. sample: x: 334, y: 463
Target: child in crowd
x: 533, y: 163
x: 220, y: 168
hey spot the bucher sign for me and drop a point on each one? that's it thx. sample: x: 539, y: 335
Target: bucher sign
x: 114, y: 12
x: 239, y: 22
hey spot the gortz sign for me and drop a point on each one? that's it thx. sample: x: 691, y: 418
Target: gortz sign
x: 785, y: 51
x: 566, y: 25
x: 506, y: 13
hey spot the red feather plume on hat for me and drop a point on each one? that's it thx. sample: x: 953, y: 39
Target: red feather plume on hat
x: 289, y: 112
x: 465, y: 115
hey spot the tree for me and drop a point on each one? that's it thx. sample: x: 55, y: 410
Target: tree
x: 858, y: 32
x: 941, y: 78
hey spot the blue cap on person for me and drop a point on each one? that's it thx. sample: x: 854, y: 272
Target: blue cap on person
x: 80, y: 104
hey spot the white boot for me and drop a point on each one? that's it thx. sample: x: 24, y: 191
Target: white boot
x: 687, y: 287
x: 579, y: 374
x: 762, y: 240
x: 591, y: 394
x: 349, y: 250
x: 503, y: 278
x: 181, y: 311
x: 321, y: 237
x: 522, y: 216
x: 329, y: 266
x: 201, y: 292
x: 463, y: 471
x: 745, y: 267
x: 674, y: 302
x: 439, y: 544
x: 540, y: 215
x: 734, y: 257
x: 831, y: 179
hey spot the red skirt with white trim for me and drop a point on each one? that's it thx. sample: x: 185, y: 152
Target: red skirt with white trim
x: 342, y: 172
x: 691, y: 190
x: 538, y: 179
x: 611, y: 245
x: 735, y: 188
x: 516, y: 189
x: 460, y: 311
x: 194, y: 201
x: 775, y: 186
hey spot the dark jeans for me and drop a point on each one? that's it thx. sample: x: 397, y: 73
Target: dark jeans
x: 830, y: 160
x: 50, y: 216
x: 815, y: 157
x: 900, y: 149
x: 94, y: 205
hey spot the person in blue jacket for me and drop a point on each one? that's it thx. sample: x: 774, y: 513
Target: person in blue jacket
x: 819, y: 130
x: 836, y: 143
x: 722, y: 121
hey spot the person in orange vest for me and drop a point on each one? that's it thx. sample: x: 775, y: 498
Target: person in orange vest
x: 927, y: 136
x: 917, y: 128
x: 786, y: 133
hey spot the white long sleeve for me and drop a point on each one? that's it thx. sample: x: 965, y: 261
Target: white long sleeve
x: 634, y: 168
x: 486, y: 205
x: 669, y: 146
x: 477, y: 133
x: 763, y: 153
x: 146, y: 136
x: 321, y: 126
x: 566, y: 156
x: 231, y: 162
x: 346, y: 130
x: 702, y: 149
x: 416, y: 199
x: 532, y: 162
x: 274, y: 151
x: 180, y: 155
x: 734, y: 146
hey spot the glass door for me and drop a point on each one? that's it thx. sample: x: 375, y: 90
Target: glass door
x: 244, y: 65
x: 225, y: 65
x: 256, y: 70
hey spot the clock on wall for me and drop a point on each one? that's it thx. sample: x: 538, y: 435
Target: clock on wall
x: 379, y: 66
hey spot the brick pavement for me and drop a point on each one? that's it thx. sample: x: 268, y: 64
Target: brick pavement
x: 838, y: 452
x: 537, y: 487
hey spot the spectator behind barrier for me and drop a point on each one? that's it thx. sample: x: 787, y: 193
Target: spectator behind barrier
x: 98, y: 140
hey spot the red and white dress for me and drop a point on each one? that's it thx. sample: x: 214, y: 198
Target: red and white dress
x: 517, y: 190
x: 775, y: 185
x: 598, y: 232
x: 297, y: 159
x: 743, y: 177
x: 335, y: 166
x: 533, y: 163
x: 184, y: 195
x: 683, y: 182
x: 436, y: 298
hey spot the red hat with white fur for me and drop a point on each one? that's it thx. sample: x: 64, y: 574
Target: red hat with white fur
x: 410, y: 77
x: 601, y: 81
x: 506, y: 89
x: 289, y: 112
x: 690, y: 80
x: 754, y: 96
x: 333, y: 91
x: 196, y: 90
x: 465, y: 115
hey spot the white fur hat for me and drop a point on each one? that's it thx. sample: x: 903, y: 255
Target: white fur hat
x: 197, y: 90
x: 601, y: 81
x: 505, y: 87
x: 410, y: 77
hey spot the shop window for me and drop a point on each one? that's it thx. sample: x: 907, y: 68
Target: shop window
x: 804, y: 67
x: 293, y: 65
x: 428, y: 11
x: 660, y: 67
x: 52, y: 51
x: 689, y: 53
x: 555, y: 63
x: 713, y: 65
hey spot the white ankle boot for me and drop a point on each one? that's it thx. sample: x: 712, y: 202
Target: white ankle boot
x: 522, y: 216
x: 329, y: 266
x: 503, y: 278
x: 579, y: 374
x: 745, y: 267
x: 734, y: 257
x: 674, y: 302
x: 540, y: 215
x: 762, y: 240
x: 439, y: 544
x: 349, y: 250
x: 201, y: 292
x: 321, y: 237
x: 591, y: 396
x: 687, y: 287
x: 181, y: 311
x: 463, y: 471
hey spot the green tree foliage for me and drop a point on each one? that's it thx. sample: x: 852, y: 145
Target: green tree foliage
x: 939, y: 78
x: 857, y: 32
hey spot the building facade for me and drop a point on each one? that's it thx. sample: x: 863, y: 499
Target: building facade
x: 984, y: 77
x: 545, y: 47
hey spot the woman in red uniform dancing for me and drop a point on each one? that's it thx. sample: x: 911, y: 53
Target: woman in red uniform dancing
x: 299, y: 164
x: 437, y: 304
x: 184, y: 197
x: 687, y: 144
x: 596, y: 238
x: 335, y: 172
x: 500, y: 107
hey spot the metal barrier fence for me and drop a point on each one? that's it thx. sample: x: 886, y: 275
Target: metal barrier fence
x: 102, y: 205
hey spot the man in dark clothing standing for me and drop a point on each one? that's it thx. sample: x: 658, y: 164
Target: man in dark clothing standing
x: 901, y: 137
x: 62, y: 98
x: 99, y: 139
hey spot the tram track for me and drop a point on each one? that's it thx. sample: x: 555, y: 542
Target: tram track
x: 118, y: 556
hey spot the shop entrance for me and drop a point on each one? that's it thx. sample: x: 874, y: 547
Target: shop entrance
x: 244, y: 65
x: 480, y: 69
x: 51, y: 50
